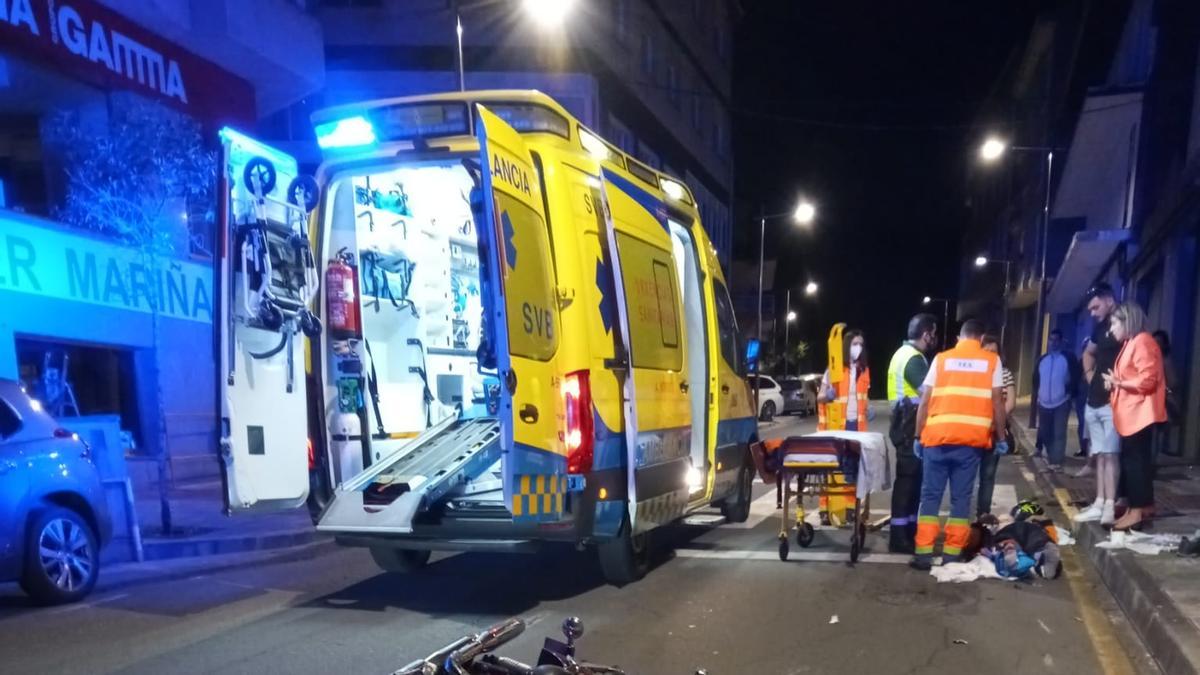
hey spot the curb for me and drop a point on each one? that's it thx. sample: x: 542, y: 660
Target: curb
x: 167, y: 549
x: 1166, y: 632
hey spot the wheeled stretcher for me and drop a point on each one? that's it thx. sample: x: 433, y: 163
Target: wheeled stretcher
x: 823, y: 464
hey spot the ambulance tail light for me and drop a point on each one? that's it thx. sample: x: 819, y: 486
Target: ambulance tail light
x: 578, y: 435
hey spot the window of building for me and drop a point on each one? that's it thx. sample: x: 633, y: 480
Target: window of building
x: 720, y: 42
x: 673, y: 84
x: 648, y: 56
x: 698, y: 7
x: 648, y: 156
x: 621, y: 18
x: 620, y: 135
x: 698, y: 104
x: 719, y: 140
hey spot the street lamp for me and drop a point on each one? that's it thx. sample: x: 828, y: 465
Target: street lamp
x: 945, y: 310
x: 991, y: 150
x: 805, y: 213
x: 983, y: 261
x: 547, y: 13
x: 811, y: 288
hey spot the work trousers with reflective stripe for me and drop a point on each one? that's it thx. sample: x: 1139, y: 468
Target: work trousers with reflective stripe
x: 956, y: 465
x: 906, y: 489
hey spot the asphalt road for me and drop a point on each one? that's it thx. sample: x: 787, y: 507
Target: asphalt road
x: 718, y: 598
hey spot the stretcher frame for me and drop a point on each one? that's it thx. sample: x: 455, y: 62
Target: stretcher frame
x: 817, y: 478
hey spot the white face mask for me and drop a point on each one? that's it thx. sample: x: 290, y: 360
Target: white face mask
x: 855, y: 352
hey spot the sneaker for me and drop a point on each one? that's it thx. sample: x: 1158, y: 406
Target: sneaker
x: 1107, y: 514
x: 1090, y: 514
x: 923, y: 563
x: 1056, y: 468
x: 1084, y: 472
x: 1050, y: 567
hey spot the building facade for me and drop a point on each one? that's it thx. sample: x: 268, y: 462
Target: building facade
x: 105, y: 256
x: 1124, y: 204
x: 652, y: 77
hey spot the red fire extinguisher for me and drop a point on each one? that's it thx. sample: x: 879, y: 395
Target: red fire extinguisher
x: 341, y: 291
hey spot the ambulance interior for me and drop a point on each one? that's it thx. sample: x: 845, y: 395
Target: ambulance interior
x: 410, y: 233
x: 688, y: 272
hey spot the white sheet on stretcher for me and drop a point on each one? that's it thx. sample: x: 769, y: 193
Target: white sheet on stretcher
x: 875, y: 468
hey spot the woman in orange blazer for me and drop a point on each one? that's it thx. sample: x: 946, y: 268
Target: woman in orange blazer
x: 1137, y: 386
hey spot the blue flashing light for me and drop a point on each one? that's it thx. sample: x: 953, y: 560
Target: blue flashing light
x: 346, y: 133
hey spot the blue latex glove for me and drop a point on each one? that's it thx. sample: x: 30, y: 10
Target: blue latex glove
x: 918, y: 449
x: 1002, y: 447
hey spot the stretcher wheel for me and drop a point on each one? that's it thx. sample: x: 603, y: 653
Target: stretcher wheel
x: 303, y: 192
x: 262, y: 170
x: 804, y: 535
x: 783, y: 548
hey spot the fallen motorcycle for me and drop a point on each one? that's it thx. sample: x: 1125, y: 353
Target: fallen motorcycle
x: 471, y: 655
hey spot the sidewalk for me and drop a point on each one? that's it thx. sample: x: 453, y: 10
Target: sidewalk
x: 199, y: 526
x: 1160, y: 594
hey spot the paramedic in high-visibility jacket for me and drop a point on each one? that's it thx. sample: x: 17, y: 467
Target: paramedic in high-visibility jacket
x: 906, y: 374
x: 961, y: 416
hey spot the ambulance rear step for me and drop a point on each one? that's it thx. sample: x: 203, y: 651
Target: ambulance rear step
x: 387, y: 496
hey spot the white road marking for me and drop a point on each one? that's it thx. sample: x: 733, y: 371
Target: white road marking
x: 88, y: 605
x: 1004, y: 498
x: 760, y: 509
x: 794, y: 555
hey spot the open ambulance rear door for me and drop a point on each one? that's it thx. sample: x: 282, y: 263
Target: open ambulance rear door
x: 264, y: 286
x: 545, y: 417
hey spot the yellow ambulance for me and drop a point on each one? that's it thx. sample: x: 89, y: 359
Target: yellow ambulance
x: 481, y: 327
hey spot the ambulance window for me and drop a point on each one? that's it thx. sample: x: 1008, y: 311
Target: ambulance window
x: 653, y: 303
x: 528, y: 280
x: 727, y: 326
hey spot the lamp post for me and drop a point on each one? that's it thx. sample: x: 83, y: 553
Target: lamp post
x: 810, y: 289
x: 547, y: 13
x: 945, y: 311
x: 804, y: 214
x: 992, y: 149
x: 983, y: 261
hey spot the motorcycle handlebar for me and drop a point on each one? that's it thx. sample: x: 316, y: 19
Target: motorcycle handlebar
x: 453, y: 656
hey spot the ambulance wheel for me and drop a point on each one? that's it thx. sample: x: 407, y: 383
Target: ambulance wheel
x: 399, y: 560
x: 303, y: 192
x: 783, y: 548
x: 805, y: 535
x: 626, y: 558
x: 262, y: 170
x: 736, y: 507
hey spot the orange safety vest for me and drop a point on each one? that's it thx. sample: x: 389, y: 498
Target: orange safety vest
x: 832, y: 416
x: 960, y: 405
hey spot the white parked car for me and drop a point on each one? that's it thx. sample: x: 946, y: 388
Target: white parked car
x: 770, y: 397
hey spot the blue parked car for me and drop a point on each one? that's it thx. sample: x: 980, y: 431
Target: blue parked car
x: 53, y: 517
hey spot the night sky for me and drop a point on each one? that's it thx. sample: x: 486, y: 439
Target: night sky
x: 867, y: 108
